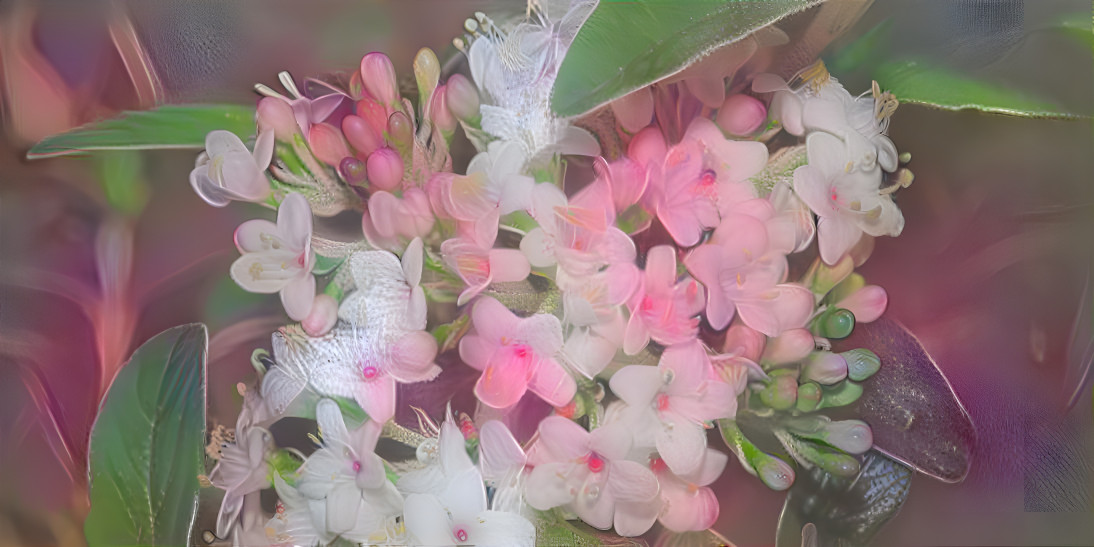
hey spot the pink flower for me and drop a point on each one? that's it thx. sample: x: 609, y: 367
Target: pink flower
x: 228, y: 171
x: 307, y: 111
x: 662, y: 308
x: 673, y: 402
x: 594, y: 315
x: 742, y: 273
x: 278, y: 257
x: 690, y: 505
x: 579, y: 239
x: 479, y: 265
x: 515, y: 355
x: 587, y: 472
x: 390, y: 221
x: 867, y: 303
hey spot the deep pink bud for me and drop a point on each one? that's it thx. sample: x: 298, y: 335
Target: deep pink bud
x: 385, y: 169
x: 634, y: 110
x: 745, y: 342
x: 374, y: 113
x: 352, y: 170
x: 741, y: 114
x: 322, y: 317
x: 462, y: 98
x: 361, y: 135
x: 647, y: 146
x: 276, y: 114
x: 439, y: 113
x: 327, y: 144
x: 378, y: 78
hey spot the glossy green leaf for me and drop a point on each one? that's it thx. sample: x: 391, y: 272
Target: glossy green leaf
x: 169, y: 126
x: 626, y: 45
x: 917, y: 82
x: 147, y: 444
x: 846, y: 511
x: 867, y: 50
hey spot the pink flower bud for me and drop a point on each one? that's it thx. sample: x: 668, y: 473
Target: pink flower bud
x: 400, y: 132
x: 439, y: 113
x: 361, y: 135
x: 462, y: 98
x: 352, y: 170
x: 322, y: 317
x: 378, y: 78
x: 647, y: 146
x: 634, y: 110
x: 867, y: 303
x: 385, y: 169
x: 825, y: 368
x: 276, y: 114
x: 790, y: 346
x: 374, y: 113
x: 741, y: 114
x: 327, y: 144
x: 745, y: 342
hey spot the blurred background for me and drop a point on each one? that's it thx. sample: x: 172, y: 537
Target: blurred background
x: 97, y: 254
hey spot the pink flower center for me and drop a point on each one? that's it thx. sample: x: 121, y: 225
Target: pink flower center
x: 647, y: 305
x: 662, y: 402
x: 658, y: 465
x: 594, y: 462
x: 370, y: 372
x: 301, y: 260
x: 356, y: 467
x: 461, y: 535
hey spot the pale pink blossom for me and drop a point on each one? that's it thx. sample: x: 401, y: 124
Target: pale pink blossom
x: 689, y: 502
x: 227, y: 171
x: 594, y: 315
x: 588, y: 473
x: 390, y: 221
x: 579, y: 239
x: 662, y: 308
x: 278, y: 257
x: 480, y: 265
x: 669, y: 406
x: 515, y: 355
x: 867, y: 303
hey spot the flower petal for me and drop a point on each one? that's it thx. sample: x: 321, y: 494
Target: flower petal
x: 681, y: 443
x: 412, y: 357
x: 412, y: 262
x: 499, y: 452
x: 546, y: 486
x: 508, y: 265
x: 298, y: 295
x: 294, y: 221
x: 637, y: 385
x: 377, y: 397
x: 552, y: 383
x: 632, y: 481
x: 563, y: 438
x: 427, y: 521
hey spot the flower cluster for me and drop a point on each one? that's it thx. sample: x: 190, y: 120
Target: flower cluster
x: 638, y: 305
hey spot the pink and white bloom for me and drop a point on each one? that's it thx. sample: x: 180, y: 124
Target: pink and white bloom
x: 349, y: 478
x: 241, y: 470
x: 594, y: 317
x: 579, y: 239
x: 668, y: 406
x: 663, y: 309
x: 744, y: 275
x: 227, y: 171
x: 480, y: 265
x: 390, y: 221
x: 278, y: 257
x: 588, y: 473
x: 849, y: 203
x: 502, y: 462
x: 690, y: 503
x: 516, y: 355
x: 307, y: 111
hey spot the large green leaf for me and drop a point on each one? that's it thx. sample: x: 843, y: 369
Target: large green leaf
x: 147, y: 444
x: 625, y: 45
x: 169, y: 126
x: 918, y: 82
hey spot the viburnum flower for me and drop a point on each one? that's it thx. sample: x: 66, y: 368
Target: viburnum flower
x: 381, y: 340
x: 227, y: 171
x: 849, y: 203
x: 587, y: 472
x: 307, y: 111
x: 390, y: 221
x: 690, y: 504
x: 502, y: 462
x: 662, y: 308
x: 278, y: 257
x: 517, y: 87
x: 446, y: 502
x: 668, y: 406
x: 348, y: 477
x: 593, y: 307
x: 480, y: 265
x: 743, y: 274
x: 578, y: 238
x: 241, y: 470
x: 515, y: 355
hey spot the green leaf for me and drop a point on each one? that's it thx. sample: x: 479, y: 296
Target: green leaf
x: 169, y: 126
x: 325, y: 264
x: 1078, y: 26
x: 625, y: 45
x: 553, y: 531
x: 147, y: 444
x: 121, y: 176
x: 867, y: 50
x: 917, y: 82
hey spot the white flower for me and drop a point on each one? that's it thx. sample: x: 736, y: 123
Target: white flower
x: 242, y: 469
x: 349, y: 478
x: 278, y: 257
x: 515, y: 72
x: 848, y: 202
x: 227, y: 170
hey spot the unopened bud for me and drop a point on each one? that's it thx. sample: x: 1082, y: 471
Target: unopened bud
x: 327, y: 144
x: 809, y: 395
x: 835, y: 323
x: 322, y: 317
x: 427, y: 72
x: 741, y: 114
x: 361, y: 135
x: 851, y: 436
x: 781, y: 393
x: 861, y: 363
x: 634, y: 110
x: 385, y: 169
x: 439, y: 112
x: 352, y: 170
x: 276, y: 114
x: 462, y: 98
x: 647, y: 146
x: 867, y: 303
x: 825, y: 368
x: 378, y: 78
x: 790, y: 346
x: 746, y: 342
x: 400, y: 132
x: 374, y: 113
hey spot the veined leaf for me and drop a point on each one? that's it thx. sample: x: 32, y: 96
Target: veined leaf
x: 169, y: 126
x: 147, y: 444
x: 917, y: 82
x: 625, y: 45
